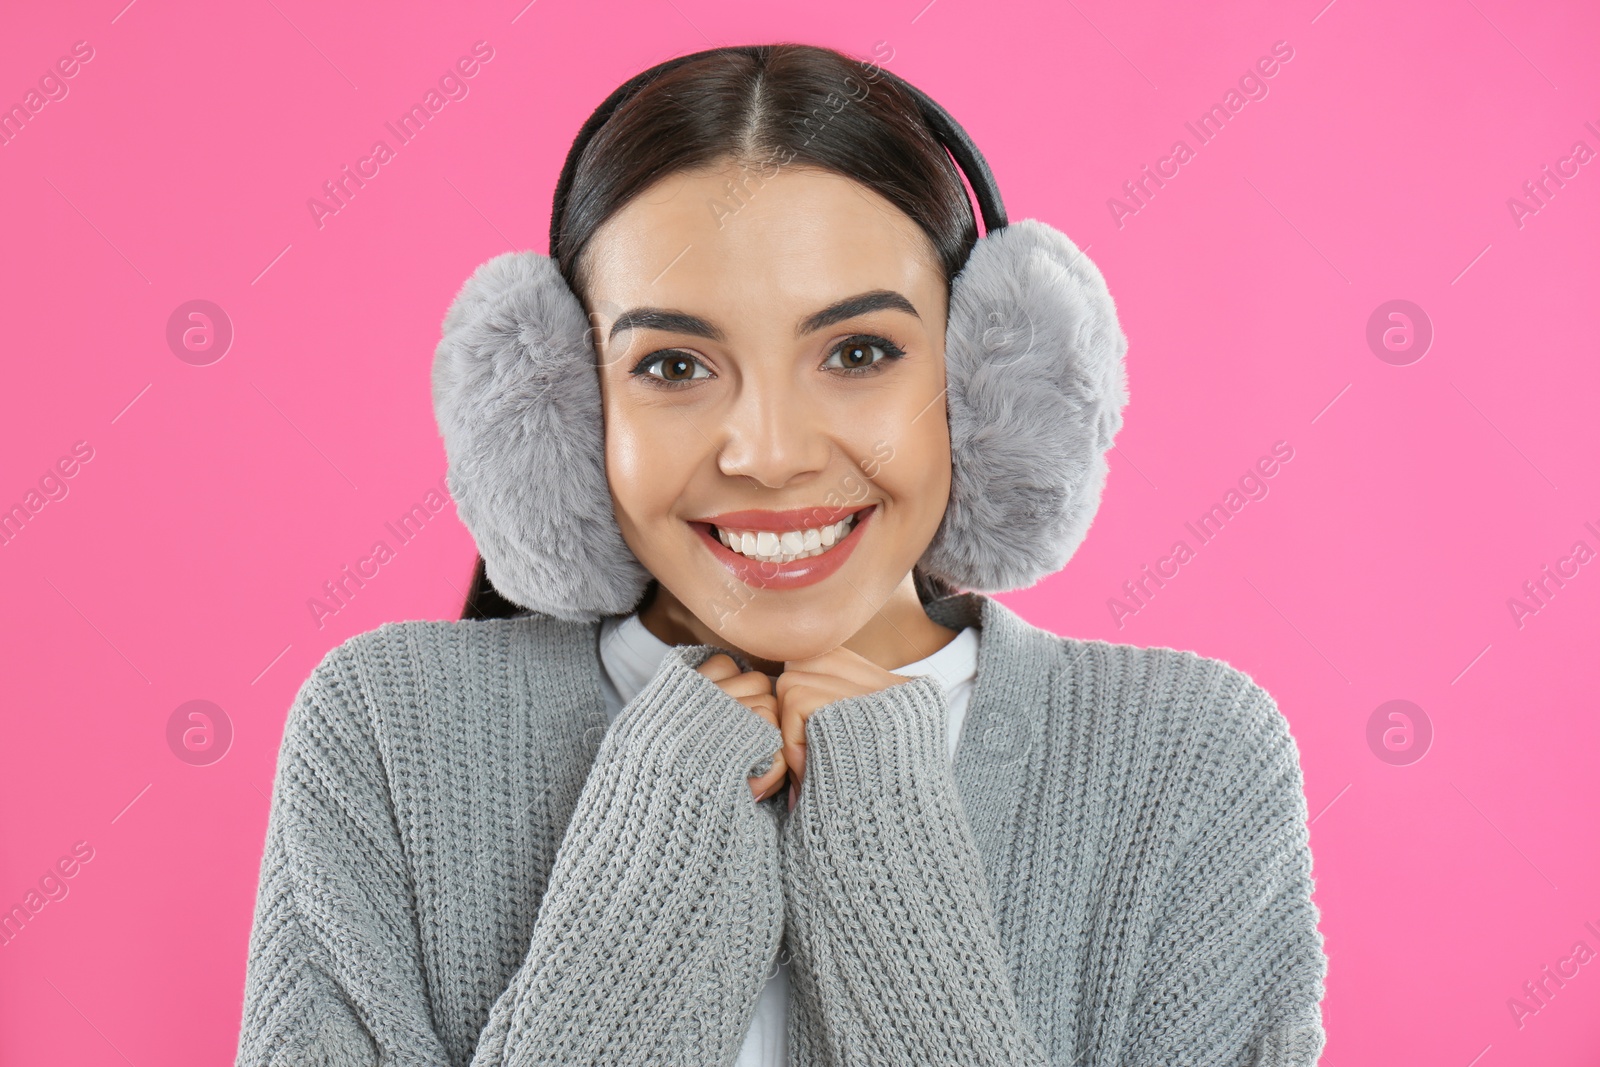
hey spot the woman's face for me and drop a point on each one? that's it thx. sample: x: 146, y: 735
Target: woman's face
x: 783, y: 354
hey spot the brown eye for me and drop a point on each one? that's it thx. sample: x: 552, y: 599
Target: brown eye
x: 676, y: 368
x: 852, y: 356
x: 855, y: 355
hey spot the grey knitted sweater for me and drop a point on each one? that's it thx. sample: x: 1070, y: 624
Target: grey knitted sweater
x: 464, y: 864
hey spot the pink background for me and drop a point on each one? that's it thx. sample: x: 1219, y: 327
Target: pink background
x: 1379, y: 566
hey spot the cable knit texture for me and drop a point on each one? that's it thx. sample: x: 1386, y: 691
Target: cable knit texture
x: 465, y: 865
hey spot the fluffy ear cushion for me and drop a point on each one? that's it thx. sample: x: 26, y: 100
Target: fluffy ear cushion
x: 518, y: 405
x: 1036, y: 390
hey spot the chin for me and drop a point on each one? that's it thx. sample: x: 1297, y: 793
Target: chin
x: 774, y: 627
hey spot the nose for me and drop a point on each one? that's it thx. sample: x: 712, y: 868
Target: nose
x: 772, y: 434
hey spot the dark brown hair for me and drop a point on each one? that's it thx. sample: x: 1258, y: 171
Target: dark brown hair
x: 764, y: 106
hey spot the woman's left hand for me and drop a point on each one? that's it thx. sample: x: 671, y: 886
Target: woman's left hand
x: 807, y: 684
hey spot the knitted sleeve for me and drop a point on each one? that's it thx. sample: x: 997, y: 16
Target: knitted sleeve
x: 661, y: 918
x: 1234, y: 970
x: 334, y: 974
x: 664, y: 911
x: 887, y: 914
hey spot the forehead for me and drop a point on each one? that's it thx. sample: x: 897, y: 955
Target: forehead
x: 801, y: 237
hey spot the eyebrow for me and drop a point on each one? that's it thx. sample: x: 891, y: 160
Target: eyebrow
x: 650, y: 318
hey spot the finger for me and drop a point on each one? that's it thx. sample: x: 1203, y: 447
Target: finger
x: 718, y: 667
x: 764, y: 705
x: 841, y: 662
x: 805, y: 700
x: 793, y: 727
x: 790, y: 680
x: 748, y: 684
x: 765, y: 785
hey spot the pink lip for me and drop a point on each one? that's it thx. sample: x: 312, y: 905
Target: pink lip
x: 797, y: 572
x: 779, y: 521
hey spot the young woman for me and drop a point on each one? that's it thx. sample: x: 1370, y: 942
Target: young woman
x: 720, y: 766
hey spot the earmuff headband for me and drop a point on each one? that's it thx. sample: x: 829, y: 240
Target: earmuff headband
x: 946, y: 130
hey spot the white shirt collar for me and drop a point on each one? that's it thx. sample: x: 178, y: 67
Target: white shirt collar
x: 631, y: 654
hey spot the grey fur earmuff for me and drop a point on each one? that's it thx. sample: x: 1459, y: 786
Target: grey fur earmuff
x: 1035, y: 392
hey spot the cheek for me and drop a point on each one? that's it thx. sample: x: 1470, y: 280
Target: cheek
x: 906, y: 452
x: 628, y: 470
x: 916, y: 463
x: 644, y: 469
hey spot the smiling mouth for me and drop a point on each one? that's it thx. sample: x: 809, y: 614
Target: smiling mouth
x: 770, y: 546
x: 784, y: 558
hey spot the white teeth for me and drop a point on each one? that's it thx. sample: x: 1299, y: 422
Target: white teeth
x: 772, y: 547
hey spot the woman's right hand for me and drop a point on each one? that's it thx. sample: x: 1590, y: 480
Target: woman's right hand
x: 754, y: 690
